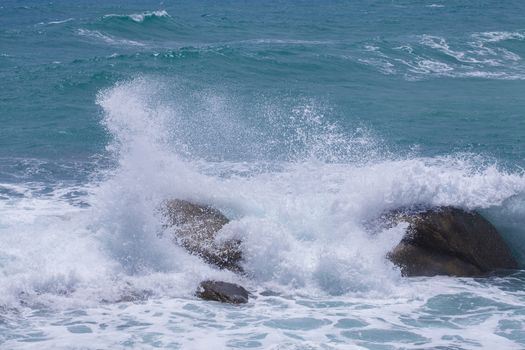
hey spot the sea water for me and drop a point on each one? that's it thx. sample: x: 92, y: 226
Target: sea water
x: 302, y: 121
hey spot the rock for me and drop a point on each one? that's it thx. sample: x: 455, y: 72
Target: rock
x: 449, y: 241
x: 196, y: 227
x: 222, y: 291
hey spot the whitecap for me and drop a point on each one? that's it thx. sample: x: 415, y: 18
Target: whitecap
x: 140, y: 17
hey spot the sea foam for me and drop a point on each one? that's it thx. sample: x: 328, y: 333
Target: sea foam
x: 304, y: 222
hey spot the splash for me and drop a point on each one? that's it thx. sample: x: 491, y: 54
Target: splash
x: 303, y: 218
x: 302, y: 221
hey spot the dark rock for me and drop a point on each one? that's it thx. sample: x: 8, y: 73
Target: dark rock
x: 196, y: 227
x: 222, y: 291
x: 449, y: 241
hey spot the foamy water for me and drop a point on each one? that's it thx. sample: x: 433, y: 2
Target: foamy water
x: 69, y: 270
x: 302, y: 122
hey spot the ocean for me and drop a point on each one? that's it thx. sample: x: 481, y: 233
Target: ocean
x: 302, y: 121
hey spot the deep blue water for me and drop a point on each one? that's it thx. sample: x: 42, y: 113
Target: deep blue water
x: 300, y: 119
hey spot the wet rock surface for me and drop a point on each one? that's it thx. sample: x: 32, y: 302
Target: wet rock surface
x: 196, y: 227
x: 223, y: 292
x: 449, y: 241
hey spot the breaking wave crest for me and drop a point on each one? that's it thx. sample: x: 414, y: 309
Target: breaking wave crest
x: 139, y: 17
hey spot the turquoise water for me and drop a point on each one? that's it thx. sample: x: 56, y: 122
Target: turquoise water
x: 302, y: 121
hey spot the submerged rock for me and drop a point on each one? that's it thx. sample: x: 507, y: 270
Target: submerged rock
x: 196, y: 227
x: 449, y: 241
x: 222, y: 291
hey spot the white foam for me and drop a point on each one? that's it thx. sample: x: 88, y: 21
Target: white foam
x: 499, y: 36
x: 442, y: 312
x: 305, y: 228
x: 299, y: 222
x: 108, y: 38
x: 304, y: 224
x: 467, y: 56
x: 476, y: 56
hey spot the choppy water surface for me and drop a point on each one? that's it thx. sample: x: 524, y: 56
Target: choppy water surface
x: 302, y: 122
